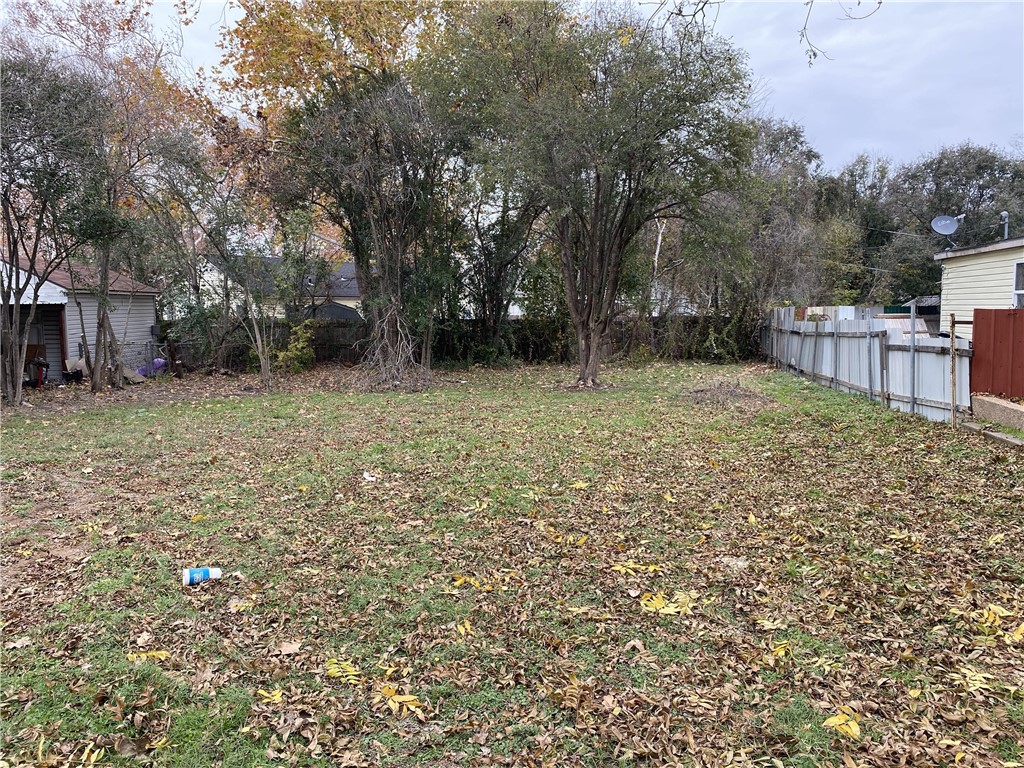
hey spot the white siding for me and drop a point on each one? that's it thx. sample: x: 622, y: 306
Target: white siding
x: 132, y: 318
x: 977, y: 281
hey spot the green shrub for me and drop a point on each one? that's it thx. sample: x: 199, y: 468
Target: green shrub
x: 299, y: 355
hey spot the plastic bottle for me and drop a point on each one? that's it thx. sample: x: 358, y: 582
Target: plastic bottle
x: 193, y: 576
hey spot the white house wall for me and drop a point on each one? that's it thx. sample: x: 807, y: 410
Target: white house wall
x: 977, y: 281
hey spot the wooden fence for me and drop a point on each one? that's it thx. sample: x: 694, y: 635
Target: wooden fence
x: 872, y: 356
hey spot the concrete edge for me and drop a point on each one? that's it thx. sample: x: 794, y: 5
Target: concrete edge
x: 992, y: 435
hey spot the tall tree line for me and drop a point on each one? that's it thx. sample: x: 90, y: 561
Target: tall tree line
x: 597, y: 171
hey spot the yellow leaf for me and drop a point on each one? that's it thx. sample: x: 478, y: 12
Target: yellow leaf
x: 582, y: 540
x: 751, y: 519
x: 846, y: 721
x: 1018, y: 633
x: 396, y: 702
x: 914, y: 692
x: 629, y: 568
x: 303, y: 488
x: 996, y: 539
x: 148, y: 656
x: 660, y: 604
x: 465, y: 628
x: 652, y: 602
x: 198, y: 517
x: 346, y: 671
x: 579, y: 485
x: 459, y: 580
x: 271, y: 697
x: 159, y: 743
x: 782, y: 649
x: 667, y: 496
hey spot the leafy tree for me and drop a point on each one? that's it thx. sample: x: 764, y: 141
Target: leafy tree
x: 114, y: 45
x: 614, y: 124
x: 892, y: 258
x: 47, y: 116
x: 369, y: 151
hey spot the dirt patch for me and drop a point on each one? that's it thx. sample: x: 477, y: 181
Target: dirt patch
x: 725, y: 394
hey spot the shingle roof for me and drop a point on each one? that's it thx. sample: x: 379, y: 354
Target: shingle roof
x: 342, y: 283
x: 83, y: 276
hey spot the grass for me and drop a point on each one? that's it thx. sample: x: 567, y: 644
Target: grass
x: 818, y: 569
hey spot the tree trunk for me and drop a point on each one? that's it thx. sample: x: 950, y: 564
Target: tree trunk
x: 102, y: 361
x: 15, y: 348
x: 260, y: 342
x: 116, y: 358
x: 426, y: 342
x: 589, y: 339
x: 98, y: 372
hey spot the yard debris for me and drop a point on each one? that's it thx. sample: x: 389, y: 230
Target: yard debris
x: 192, y: 576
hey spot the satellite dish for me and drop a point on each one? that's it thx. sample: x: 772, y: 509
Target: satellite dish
x: 945, y: 225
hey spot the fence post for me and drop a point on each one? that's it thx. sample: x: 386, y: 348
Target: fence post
x: 799, y: 351
x: 789, y: 344
x: 867, y: 335
x: 814, y: 352
x: 913, y: 356
x: 952, y: 370
x: 883, y: 367
x: 835, y: 355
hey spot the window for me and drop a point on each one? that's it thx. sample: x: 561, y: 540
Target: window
x: 1018, y: 285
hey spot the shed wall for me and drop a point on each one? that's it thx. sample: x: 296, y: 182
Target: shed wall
x: 979, y: 281
x: 132, y: 318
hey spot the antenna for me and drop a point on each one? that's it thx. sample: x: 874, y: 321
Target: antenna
x: 945, y: 225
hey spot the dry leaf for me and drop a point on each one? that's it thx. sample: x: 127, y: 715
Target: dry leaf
x: 846, y: 721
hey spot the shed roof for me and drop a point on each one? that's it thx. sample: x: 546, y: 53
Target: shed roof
x: 83, y: 276
x: 976, y: 249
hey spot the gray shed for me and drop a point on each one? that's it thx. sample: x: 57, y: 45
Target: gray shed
x: 67, y: 298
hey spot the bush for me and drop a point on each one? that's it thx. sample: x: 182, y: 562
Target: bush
x: 299, y: 355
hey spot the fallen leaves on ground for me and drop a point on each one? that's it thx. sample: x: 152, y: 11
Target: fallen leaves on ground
x: 532, y: 577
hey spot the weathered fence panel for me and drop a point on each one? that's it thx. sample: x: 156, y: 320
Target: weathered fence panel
x: 851, y: 353
x: 998, y: 364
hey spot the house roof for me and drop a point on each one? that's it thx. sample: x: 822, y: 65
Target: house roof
x: 973, y: 250
x: 80, y: 276
x: 342, y: 283
x: 334, y: 311
x: 924, y: 301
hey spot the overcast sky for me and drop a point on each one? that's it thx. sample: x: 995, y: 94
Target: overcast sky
x: 912, y: 78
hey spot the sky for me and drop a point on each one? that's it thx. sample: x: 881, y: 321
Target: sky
x: 908, y: 80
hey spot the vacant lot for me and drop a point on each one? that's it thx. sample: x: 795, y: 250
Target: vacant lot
x: 701, y: 565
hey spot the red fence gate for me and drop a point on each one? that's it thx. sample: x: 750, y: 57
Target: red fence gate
x: 998, y: 363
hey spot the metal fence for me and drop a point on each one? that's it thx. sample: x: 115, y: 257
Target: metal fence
x: 998, y: 365
x: 135, y: 355
x: 892, y: 362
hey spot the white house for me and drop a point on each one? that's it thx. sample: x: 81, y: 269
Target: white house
x: 66, y: 300
x: 984, y: 277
